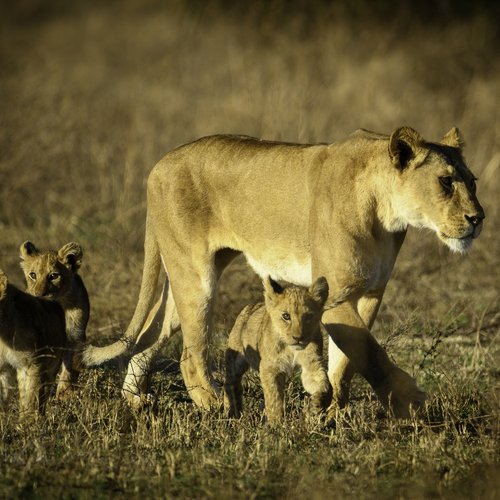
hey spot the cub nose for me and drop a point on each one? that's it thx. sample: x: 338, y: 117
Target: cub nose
x: 475, y: 220
x: 297, y: 339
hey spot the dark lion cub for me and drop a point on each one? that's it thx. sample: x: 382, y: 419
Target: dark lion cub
x: 32, y: 342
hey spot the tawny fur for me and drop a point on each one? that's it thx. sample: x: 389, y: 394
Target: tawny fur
x: 274, y: 338
x: 297, y: 212
x: 32, y: 343
x: 53, y: 275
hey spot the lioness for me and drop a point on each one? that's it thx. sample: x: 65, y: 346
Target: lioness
x: 274, y: 337
x: 53, y: 275
x: 297, y: 212
x: 32, y: 340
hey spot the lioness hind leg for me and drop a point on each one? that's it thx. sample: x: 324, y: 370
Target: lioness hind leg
x: 149, y: 343
x: 193, y: 294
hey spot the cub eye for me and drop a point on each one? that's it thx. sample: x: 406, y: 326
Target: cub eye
x: 53, y: 276
x: 472, y: 185
x: 285, y: 316
x: 32, y: 276
x: 446, y: 183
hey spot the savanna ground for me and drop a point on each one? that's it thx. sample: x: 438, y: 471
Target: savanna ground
x: 93, y: 94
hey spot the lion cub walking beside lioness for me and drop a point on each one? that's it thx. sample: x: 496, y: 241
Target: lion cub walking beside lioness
x: 274, y: 337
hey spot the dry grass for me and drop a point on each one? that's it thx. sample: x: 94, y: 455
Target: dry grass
x: 94, y: 94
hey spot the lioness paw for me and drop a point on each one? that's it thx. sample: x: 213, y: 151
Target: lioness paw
x: 401, y: 395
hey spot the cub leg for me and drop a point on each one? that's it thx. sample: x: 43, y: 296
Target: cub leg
x: 7, y: 385
x: 30, y: 386
x: 68, y: 377
x: 314, y: 376
x: 273, y: 386
x: 236, y: 366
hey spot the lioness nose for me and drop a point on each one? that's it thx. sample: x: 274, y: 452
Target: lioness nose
x: 475, y: 220
x: 297, y: 339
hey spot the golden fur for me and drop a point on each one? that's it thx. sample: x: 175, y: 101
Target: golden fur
x: 32, y: 341
x: 297, y: 212
x: 274, y: 337
x: 53, y: 275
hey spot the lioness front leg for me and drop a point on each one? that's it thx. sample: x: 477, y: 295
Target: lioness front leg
x: 396, y: 389
x: 340, y: 369
x: 273, y: 386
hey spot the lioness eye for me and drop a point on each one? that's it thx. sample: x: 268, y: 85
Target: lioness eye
x: 32, y: 276
x: 446, y: 183
x: 53, y: 276
x: 285, y: 316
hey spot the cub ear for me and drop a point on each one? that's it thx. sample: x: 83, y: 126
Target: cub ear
x: 271, y: 287
x: 71, y: 255
x: 404, y: 146
x: 453, y: 138
x: 28, y: 249
x: 319, y: 290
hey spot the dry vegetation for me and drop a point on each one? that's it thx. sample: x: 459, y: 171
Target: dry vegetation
x: 92, y: 95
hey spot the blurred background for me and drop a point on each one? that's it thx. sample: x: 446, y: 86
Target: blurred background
x: 93, y: 94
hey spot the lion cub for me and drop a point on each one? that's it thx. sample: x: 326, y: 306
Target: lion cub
x: 54, y: 276
x: 32, y: 340
x: 273, y: 338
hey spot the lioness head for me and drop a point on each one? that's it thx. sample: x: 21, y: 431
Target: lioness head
x: 434, y: 188
x: 50, y: 274
x: 295, y: 311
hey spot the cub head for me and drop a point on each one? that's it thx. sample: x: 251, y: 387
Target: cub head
x: 295, y: 311
x: 50, y: 274
x: 434, y: 188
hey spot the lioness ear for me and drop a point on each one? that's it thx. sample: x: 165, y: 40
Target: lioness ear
x: 319, y: 290
x: 453, y: 139
x: 27, y: 249
x: 71, y: 256
x: 404, y: 145
x: 271, y: 287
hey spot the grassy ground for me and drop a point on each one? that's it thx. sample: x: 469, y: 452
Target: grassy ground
x: 92, y: 95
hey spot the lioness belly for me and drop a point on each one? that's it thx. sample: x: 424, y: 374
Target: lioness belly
x: 292, y: 269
